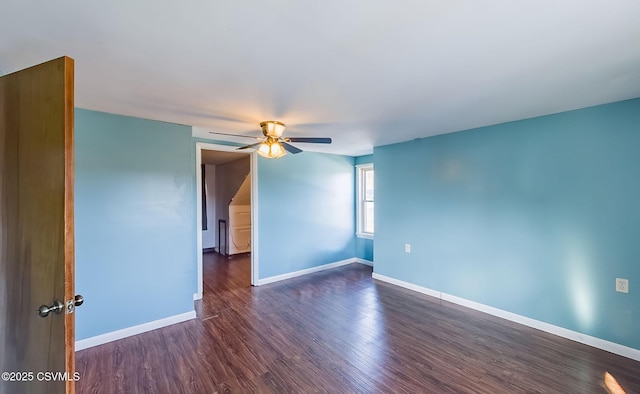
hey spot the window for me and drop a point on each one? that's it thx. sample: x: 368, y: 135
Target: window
x: 364, y: 209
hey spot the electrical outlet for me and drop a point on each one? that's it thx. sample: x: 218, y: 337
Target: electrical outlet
x: 407, y: 248
x: 622, y: 285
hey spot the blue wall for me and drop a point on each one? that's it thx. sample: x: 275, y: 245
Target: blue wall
x: 366, y: 159
x: 306, y: 210
x: 134, y: 220
x: 536, y: 217
x: 363, y: 246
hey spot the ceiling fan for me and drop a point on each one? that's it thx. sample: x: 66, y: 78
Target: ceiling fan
x: 273, y: 145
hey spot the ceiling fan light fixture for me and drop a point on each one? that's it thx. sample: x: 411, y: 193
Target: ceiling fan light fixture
x: 271, y: 150
x: 272, y: 128
x: 273, y: 145
x: 277, y: 150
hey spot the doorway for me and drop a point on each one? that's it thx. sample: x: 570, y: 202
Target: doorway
x: 213, y: 235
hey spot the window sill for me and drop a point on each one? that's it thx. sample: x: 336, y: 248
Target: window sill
x: 364, y: 235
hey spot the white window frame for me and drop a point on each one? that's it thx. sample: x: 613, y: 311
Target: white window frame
x: 361, y: 169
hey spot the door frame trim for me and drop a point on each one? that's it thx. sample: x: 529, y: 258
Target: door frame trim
x: 253, y: 170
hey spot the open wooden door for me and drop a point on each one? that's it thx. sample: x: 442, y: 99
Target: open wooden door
x: 36, y: 230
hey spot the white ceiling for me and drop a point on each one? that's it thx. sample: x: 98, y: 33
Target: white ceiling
x: 363, y: 72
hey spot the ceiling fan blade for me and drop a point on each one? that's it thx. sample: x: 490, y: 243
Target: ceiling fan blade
x: 290, y: 148
x: 235, y: 135
x: 250, y: 146
x: 309, y: 139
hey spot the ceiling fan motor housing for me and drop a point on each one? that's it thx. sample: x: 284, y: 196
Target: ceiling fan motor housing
x: 272, y: 128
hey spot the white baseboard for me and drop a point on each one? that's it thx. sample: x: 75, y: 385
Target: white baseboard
x: 612, y: 347
x: 306, y: 271
x: 135, y: 330
x: 363, y: 261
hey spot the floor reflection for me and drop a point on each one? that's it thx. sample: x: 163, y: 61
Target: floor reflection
x: 612, y: 385
x: 367, y: 337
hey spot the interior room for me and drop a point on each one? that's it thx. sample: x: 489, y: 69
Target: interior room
x: 333, y: 197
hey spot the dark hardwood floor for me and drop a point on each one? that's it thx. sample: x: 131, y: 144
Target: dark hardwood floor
x: 339, y: 331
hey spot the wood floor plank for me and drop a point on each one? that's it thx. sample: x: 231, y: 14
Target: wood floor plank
x: 339, y: 331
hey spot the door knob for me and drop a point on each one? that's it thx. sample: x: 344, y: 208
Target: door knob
x: 56, y: 307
